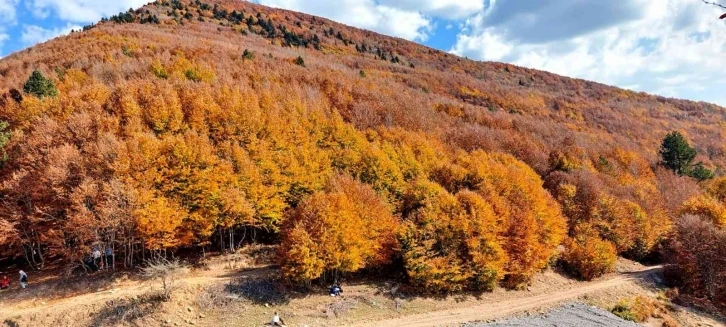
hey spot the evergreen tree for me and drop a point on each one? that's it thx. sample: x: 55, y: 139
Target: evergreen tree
x: 701, y: 173
x: 40, y: 86
x: 248, y: 55
x: 676, y: 154
x: 5, y: 135
x: 300, y: 61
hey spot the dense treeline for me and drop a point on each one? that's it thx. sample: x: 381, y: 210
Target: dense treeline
x: 226, y: 119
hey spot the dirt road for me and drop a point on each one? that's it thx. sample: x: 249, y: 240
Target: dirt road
x: 505, y: 308
x: 447, y: 317
x: 127, y: 290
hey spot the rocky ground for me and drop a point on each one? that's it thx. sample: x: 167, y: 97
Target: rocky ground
x: 570, y: 315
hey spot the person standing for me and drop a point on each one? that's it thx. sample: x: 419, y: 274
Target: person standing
x: 96, y: 254
x: 108, y: 257
x: 96, y: 258
x: 23, y: 279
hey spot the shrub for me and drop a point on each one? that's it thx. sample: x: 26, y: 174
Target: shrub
x: 40, y: 86
x: 158, y: 69
x: 248, y: 55
x: 300, y: 61
x: 129, y: 52
x: 701, y: 173
x: 696, y: 262
x: 623, y: 311
x: 643, y: 308
x: 588, y: 256
x: 638, y: 309
x: 5, y: 136
x: 193, y: 75
x: 166, y: 271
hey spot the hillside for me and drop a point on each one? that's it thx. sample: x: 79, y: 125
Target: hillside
x: 188, y: 125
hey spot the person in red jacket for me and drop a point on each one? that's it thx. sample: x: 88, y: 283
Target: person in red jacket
x: 4, y: 283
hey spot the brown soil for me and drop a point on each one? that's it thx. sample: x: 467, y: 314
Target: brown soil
x: 203, y: 301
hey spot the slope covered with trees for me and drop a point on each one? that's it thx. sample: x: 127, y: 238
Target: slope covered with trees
x: 190, y: 124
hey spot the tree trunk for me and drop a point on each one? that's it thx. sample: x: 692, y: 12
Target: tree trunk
x: 221, y: 239
x: 231, y: 240
x: 27, y: 257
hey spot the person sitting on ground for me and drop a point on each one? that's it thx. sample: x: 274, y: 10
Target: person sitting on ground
x: 277, y: 321
x: 4, y: 283
x: 335, y: 290
x: 89, y: 264
x: 23, y: 279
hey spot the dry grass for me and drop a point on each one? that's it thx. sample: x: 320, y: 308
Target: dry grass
x: 116, y: 312
x: 258, y: 291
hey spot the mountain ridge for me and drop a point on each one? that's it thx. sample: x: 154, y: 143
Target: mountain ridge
x: 265, y: 9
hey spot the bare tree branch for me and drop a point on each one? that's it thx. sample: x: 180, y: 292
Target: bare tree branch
x: 717, y: 5
x: 714, y: 3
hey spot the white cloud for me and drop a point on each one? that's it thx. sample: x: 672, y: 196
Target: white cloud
x: 8, y: 13
x: 670, y: 47
x: 367, y: 14
x: 81, y: 10
x: 406, y: 24
x: 448, y: 9
x: 487, y: 45
x: 35, y: 34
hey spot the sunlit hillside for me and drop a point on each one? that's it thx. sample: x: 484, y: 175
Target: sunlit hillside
x: 208, y: 125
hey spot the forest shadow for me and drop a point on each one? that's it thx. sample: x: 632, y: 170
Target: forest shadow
x: 122, y: 311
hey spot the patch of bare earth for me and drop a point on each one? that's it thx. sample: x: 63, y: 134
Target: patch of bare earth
x: 238, y: 290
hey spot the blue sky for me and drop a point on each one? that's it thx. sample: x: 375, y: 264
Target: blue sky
x: 670, y: 47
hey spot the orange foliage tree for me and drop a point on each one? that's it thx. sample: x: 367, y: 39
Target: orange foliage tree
x: 340, y: 230
x: 587, y: 255
x: 158, y: 140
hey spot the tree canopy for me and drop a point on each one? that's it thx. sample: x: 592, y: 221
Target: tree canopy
x: 461, y: 175
x: 40, y: 86
x: 676, y: 154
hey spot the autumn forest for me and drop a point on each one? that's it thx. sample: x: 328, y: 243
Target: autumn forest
x: 206, y: 125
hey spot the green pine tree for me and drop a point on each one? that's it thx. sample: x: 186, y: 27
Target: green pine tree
x: 701, y: 173
x: 676, y: 154
x: 40, y: 86
x: 5, y: 135
x: 248, y: 55
x: 300, y: 61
